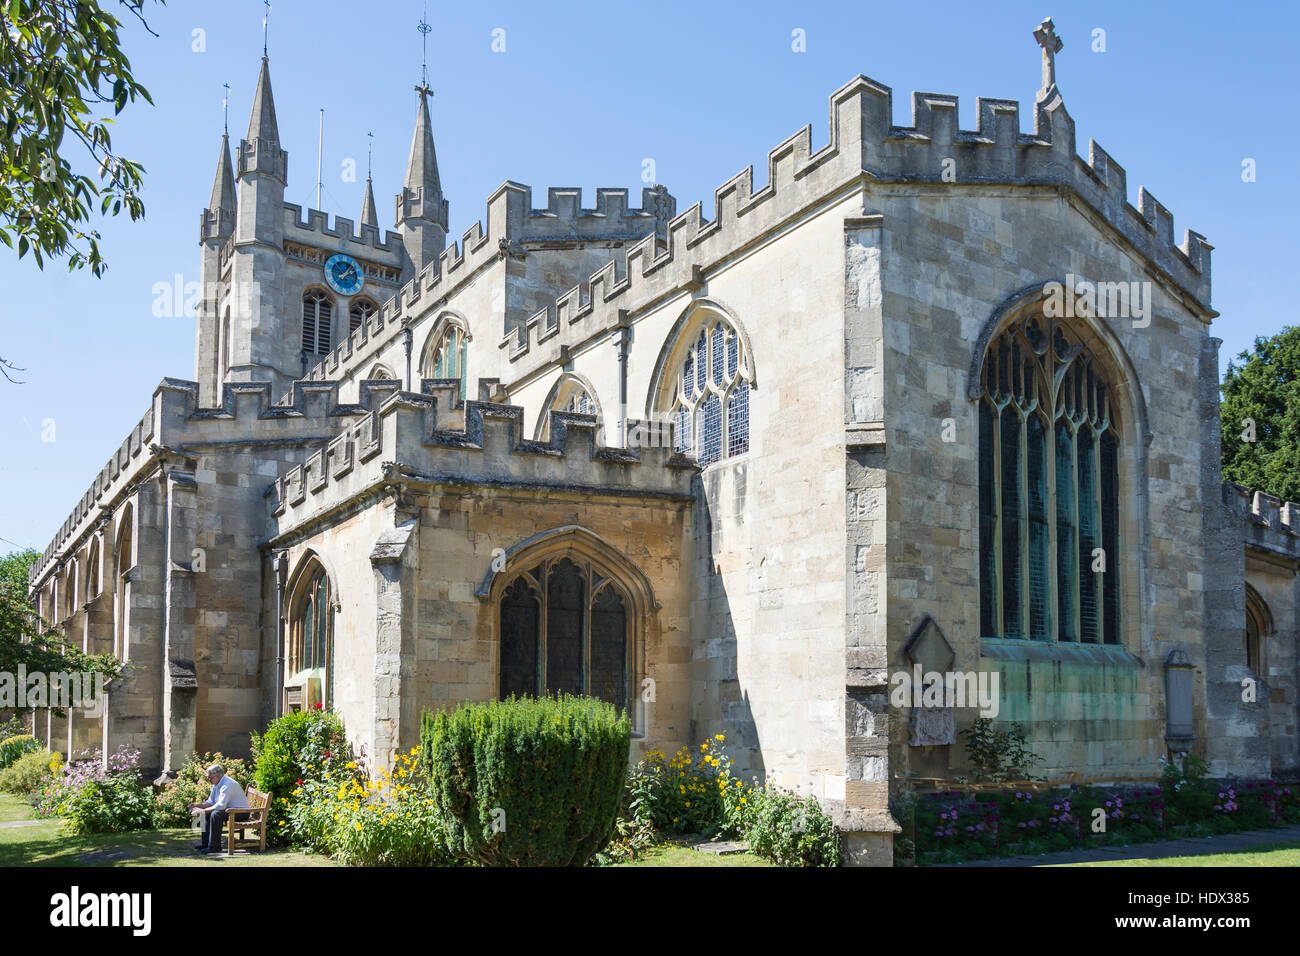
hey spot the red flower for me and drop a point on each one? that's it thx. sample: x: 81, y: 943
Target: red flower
x: 319, y: 706
x: 327, y: 753
x: 300, y: 783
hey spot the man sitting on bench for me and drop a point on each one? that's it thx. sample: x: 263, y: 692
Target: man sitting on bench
x: 226, y: 795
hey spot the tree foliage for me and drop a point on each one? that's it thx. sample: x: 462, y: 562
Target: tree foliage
x: 1264, y: 390
x: 63, y: 71
x: 27, y: 640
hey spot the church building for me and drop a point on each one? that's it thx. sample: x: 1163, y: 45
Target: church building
x: 919, y: 400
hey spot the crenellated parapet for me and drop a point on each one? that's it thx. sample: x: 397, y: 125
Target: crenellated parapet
x: 175, y: 421
x: 511, y: 222
x: 344, y: 235
x: 865, y: 146
x: 1269, y: 525
x: 420, y: 438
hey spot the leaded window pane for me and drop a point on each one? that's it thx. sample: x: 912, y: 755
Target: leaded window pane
x: 701, y: 362
x: 1040, y: 543
x: 1067, y: 555
x: 1012, y: 516
x: 711, y: 431
x: 1088, y: 534
x: 716, y: 345
x: 565, y: 606
x: 609, y: 648
x: 520, y: 635
x: 988, y: 528
x: 738, y: 421
x: 1110, y: 535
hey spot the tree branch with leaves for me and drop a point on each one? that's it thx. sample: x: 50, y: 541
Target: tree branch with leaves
x: 65, y: 77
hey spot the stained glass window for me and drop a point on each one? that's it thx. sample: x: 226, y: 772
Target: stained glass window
x: 709, y: 407
x: 1049, y: 490
x: 564, y: 629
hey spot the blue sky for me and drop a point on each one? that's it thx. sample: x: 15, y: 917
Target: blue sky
x: 582, y: 94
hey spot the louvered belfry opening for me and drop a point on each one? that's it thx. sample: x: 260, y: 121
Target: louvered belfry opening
x: 360, y: 313
x: 1048, y: 489
x: 317, y: 316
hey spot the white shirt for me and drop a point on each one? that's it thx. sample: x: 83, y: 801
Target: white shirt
x: 228, y: 795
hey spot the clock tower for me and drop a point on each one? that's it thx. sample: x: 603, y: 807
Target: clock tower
x: 284, y: 288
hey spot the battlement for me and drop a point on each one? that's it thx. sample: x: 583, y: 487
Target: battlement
x: 864, y: 145
x: 406, y: 439
x: 511, y: 219
x: 316, y: 227
x: 1269, y: 524
x: 175, y: 419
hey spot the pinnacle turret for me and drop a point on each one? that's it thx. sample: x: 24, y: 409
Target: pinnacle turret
x: 261, y: 124
x: 421, y: 210
x: 260, y: 151
x: 369, y: 215
x: 422, y: 165
x: 218, y: 220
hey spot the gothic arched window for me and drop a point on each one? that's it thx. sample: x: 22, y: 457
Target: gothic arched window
x: 709, y: 403
x: 311, y: 630
x: 570, y: 394
x: 564, y: 629
x: 360, y: 313
x: 1048, y: 489
x: 447, y: 358
x: 317, y: 315
x: 1258, y: 626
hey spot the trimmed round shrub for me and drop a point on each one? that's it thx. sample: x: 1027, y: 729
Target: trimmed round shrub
x: 527, y: 782
x: 14, y: 747
x: 29, y: 771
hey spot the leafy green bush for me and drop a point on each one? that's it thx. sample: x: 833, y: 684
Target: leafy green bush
x: 94, y: 794
x: 527, y: 782
x: 14, y: 747
x: 299, y: 748
x: 792, y: 831
x: 388, y: 821
x: 690, y: 792
x: 117, y: 803
x: 191, y: 786
x: 26, y: 774
x: 999, y: 755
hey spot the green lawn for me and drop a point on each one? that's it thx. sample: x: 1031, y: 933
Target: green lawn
x: 1263, y: 854
x: 670, y: 854
x: 14, y: 808
x: 45, y: 844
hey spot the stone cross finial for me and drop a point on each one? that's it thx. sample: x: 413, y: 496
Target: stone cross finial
x: 1051, y: 44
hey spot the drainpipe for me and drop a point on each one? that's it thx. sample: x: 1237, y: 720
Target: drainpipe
x: 621, y: 345
x: 408, y: 341
x: 280, y: 564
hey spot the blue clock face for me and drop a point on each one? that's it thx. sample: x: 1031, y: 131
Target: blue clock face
x: 344, y: 275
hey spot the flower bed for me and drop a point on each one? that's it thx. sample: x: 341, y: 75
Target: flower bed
x: 955, y: 825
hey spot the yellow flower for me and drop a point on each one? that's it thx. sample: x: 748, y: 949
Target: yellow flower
x: 742, y: 799
x: 719, y: 737
x: 688, y: 803
x: 358, y: 824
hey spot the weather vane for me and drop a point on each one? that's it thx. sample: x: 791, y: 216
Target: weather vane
x: 225, y: 108
x: 425, y: 29
x: 370, y: 147
x: 265, y: 18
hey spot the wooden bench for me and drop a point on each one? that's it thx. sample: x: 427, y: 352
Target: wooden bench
x: 254, y: 818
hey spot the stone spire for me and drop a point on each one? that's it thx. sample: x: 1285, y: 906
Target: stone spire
x: 422, y: 165
x: 369, y: 217
x: 219, y: 218
x: 261, y: 124
x: 421, y: 210
x: 223, y: 184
